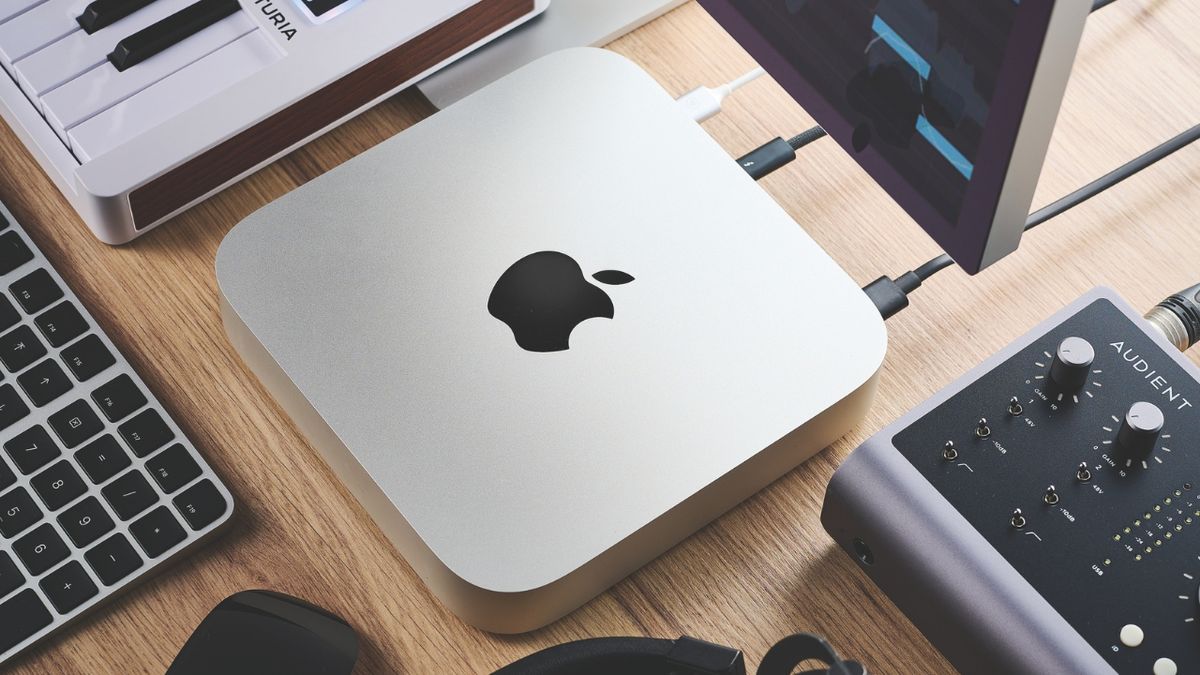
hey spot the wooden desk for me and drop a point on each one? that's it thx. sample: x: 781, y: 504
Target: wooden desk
x: 763, y: 571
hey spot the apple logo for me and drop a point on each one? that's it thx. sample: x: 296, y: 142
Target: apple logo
x: 544, y: 296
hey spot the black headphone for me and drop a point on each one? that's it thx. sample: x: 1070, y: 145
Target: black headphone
x: 685, y: 656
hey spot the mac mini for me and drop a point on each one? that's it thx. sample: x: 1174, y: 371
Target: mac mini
x: 547, y: 333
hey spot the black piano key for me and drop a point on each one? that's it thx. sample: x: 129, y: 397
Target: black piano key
x: 104, y: 13
x: 179, y: 26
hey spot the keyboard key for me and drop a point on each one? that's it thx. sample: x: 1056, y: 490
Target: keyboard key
x: 68, y: 587
x: 61, y: 324
x: 8, y: 314
x: 102, y: 459
x: 59, y: 485
x: 113, y: 559
x: 86, y: 522
x: 21, y: 616
x: 9, y: 9
x: 12, y: 408
x: 75, y: 423
x: 146, y: 432
x: 41, y: 549
x: 32, y: 449
x: 104, y: 13
x: 19, y: 348
x: 130, y: 494
x: 118, y: 398
x: 157, y: 532
x: 101, y: 88
x: 36, y: 28
x: 10, y: 575
x: 79, y: 52
x: 173, y: 468
x: 13, y: 252
x: 172, y: 95
x: 45, y: 382
x: 172, y: 30
x: 17, y: 512
x: 201, y: 505
x: 87, y: 358
x: 7, y: 477
x: 36, y: 291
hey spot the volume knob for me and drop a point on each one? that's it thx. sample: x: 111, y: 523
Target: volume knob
x: 1139, y: 431
x: 1072, y: 363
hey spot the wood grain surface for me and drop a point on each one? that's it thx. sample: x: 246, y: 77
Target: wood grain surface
x: 767, y: 568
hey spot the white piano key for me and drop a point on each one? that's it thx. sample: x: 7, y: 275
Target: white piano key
x: 165, y: 99
x: 65, y: 59
x: 103, y: 87
x: 38, y: 27
x: 11, y: 8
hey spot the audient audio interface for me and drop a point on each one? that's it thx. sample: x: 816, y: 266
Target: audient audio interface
x: 1042, y: 514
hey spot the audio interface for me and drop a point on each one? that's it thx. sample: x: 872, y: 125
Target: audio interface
x: 1042, y: 513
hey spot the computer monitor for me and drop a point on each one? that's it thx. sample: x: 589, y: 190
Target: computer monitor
x: 947, y: 104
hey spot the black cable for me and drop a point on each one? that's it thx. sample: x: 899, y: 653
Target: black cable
x: 891, y: 295
x: 1113, y: 177
x: 804, y: 138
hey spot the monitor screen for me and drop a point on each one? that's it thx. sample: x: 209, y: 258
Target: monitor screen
x: 930, y: 96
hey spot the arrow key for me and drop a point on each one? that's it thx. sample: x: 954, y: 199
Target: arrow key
x: 19, y: 348
x: 12, y: 408
x: 45, y: 382
x: 157, y: 532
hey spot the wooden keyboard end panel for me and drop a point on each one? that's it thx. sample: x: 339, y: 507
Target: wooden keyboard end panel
x: 239, y: 154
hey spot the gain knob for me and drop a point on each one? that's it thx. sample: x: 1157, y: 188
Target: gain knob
x: 1072, y: 363
x: 1139, y: 431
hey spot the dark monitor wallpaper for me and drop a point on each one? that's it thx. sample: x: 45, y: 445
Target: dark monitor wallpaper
x: 915, y: 78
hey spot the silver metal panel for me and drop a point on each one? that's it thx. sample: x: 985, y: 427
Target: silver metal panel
x: 367, y: 292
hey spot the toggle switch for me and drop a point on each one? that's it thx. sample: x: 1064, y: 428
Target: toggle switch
x: 1051, y: 496
x: 1018, y: 519
x: 982, y: 430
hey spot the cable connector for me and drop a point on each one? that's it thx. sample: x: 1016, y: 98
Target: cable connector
x: 891, y: 295
x: 776, y: 153
x: 1178, y: 318
x: 703, y: 103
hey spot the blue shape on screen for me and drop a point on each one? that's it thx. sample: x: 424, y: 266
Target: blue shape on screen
x: 901, y: 47
x: 944, y: 146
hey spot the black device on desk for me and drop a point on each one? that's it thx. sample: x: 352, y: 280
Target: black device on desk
x: 1042, y: 513
x: 99, y: 488
x: 267, y: 633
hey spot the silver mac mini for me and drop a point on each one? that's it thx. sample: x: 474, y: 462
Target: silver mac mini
x: 548, y: 333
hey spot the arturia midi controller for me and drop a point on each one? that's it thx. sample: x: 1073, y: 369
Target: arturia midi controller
x: 138, y: 109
